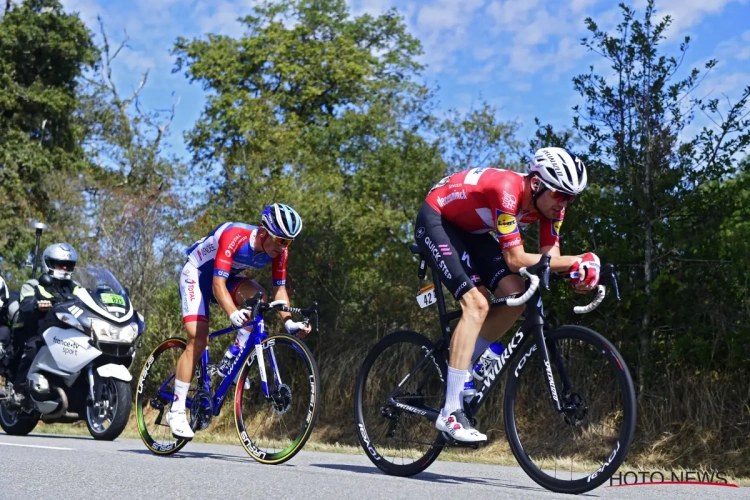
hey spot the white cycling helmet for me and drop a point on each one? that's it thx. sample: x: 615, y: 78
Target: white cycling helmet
x: 281, y: 221
x: 559, y: 170
x: 59, y: 254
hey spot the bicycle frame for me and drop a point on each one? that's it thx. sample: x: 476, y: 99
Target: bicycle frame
x: 253, y: 346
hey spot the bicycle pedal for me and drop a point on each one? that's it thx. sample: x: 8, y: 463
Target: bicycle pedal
x: 449, y: 441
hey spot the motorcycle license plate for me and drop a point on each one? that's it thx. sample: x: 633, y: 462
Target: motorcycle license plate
x: 426, y: 296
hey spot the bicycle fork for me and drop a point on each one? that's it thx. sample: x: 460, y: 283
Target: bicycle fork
x: 259, y: 356
x: 555, y: 355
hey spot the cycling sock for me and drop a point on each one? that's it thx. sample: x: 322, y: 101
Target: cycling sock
x: 481, y: 346
x: 180, y: 392
x: 456, y: 380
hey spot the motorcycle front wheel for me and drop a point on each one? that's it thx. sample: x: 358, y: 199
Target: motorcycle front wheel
x: 108, y: 417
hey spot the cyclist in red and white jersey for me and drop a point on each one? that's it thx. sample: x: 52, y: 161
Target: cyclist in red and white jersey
x: 453, y: 228
x: 211, y: 274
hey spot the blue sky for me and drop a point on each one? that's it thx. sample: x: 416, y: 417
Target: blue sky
x: 519, y: 55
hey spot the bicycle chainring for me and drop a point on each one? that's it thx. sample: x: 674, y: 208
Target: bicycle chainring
x: 201, y: 411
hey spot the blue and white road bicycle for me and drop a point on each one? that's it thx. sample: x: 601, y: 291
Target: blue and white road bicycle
x: 276, y: 393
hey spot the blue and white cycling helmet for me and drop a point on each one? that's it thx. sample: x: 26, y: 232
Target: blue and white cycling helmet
x: 281, y: 221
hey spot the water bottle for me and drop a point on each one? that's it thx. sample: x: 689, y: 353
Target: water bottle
x: 469, y: 390
x: 488, y: 357
x: 226, y: 362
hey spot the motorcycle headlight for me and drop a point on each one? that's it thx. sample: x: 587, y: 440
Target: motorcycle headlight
x: 129, y: 332
x: 107, y: 331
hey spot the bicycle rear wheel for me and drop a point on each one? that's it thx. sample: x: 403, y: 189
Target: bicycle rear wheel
x: 397, y: 441
x: 579, y: 449
x: 154, y: 395
x: 275, y: 428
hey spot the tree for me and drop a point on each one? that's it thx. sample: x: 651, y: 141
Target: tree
x: 136, y: 186
x: 43, y: 51
x: 649, y: 183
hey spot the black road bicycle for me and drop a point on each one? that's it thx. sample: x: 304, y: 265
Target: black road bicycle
x: 569, y: 404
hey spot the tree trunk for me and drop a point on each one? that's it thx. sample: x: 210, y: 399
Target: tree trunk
x: 643, y: 349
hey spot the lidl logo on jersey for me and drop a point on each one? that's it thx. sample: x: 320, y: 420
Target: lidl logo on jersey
x: 506, y: 223
x: 556, y: 223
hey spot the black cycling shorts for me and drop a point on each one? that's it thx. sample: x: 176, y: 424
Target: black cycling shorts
x: 464, y: 260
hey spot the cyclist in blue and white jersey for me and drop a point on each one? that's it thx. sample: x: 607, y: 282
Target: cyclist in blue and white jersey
x: 211, y: 273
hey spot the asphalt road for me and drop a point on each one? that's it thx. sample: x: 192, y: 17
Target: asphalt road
x: 71, y: 467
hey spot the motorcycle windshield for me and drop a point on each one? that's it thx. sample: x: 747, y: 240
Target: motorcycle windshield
x: 99, y: 280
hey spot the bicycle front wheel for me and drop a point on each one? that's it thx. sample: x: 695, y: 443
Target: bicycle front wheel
x: 397, y: 440
x: 273, y: 426
x: 580, y: 448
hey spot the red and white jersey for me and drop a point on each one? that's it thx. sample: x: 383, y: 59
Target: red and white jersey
x: 479, y: 200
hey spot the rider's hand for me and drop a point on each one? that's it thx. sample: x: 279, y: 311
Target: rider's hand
x: 295, y: 327
x: 584, y: 275
x: 240, y: 317
x: 44, y: 305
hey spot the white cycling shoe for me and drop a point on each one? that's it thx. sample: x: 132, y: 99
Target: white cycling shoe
x: 179, y: 424
x: 458, y: 427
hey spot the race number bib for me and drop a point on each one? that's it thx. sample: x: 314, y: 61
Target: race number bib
x: 426, y: 296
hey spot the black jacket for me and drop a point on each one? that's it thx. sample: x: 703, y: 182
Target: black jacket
x: 54, y: 290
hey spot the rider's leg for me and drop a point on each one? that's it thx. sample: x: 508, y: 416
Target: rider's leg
x: 196, y: 344
x: 442, y: 243
x: 500, y: 319
x: 195, y: 318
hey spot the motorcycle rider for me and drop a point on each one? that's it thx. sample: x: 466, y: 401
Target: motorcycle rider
x: 55, y: 285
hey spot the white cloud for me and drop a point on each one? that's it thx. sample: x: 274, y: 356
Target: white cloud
x: 372, y: 7
x: 686, y: 13
x: 480, y: 75
x: 582, y: 5
x: 443, y: 28
x: 87, y: 9
x: 735, y: 48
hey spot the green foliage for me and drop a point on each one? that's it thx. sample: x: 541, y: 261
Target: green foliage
x: 42, y: 53
x: 665, y: 210
x: 324, y: 111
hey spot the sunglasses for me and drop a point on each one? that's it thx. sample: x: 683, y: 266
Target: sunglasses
x: 282, y: 242
x: 562, y: 197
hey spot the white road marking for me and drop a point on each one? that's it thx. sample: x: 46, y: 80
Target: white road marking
x: 35, y: 446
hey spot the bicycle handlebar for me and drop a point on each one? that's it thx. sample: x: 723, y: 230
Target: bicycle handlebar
x: 526, y: 296
x: 540, y: 272
x: 257, y: 305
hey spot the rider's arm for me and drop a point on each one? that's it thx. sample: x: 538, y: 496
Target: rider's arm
x: 230, y: 242
x: 516, y: 258
x: 279, y: 293
x: 278, y: 280
x: 222, y: 295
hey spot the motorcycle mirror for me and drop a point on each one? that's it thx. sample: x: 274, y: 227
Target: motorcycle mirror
x: 127, y: 290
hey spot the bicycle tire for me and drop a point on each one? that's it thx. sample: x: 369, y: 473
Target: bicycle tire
x: 390, y: 468
x: 146, y: 437
x: 297, y: 444
x: 629, y: 416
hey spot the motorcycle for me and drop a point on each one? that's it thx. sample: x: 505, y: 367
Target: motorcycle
x: 82, y: 370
